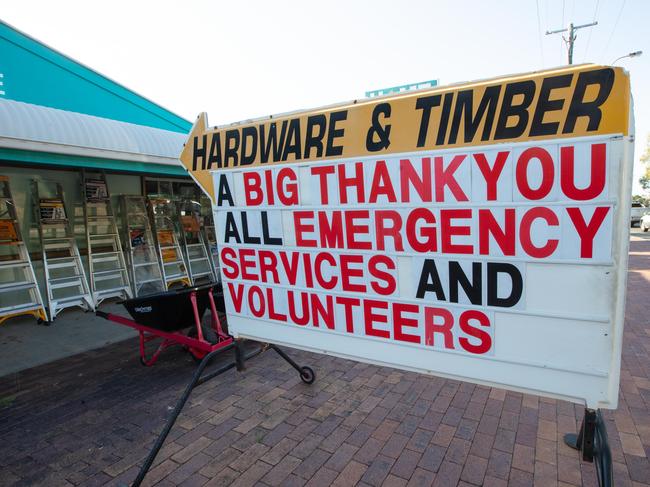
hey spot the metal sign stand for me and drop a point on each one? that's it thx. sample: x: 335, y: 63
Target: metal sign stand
x: 593, y: 443
x: 199, y: 266
x: 307, y: 375
x: 65, y: 279
x: 142, y: 259
x: 19, y: 292
x: 107, y: 268
x: 172, y: 262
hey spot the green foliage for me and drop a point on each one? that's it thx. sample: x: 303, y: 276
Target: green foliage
x: 645, y: 160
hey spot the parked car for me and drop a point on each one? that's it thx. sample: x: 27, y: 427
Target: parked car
x: 638, y: 210
x: 645, y: 222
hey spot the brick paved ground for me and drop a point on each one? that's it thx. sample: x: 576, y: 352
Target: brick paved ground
x: 90, y: 419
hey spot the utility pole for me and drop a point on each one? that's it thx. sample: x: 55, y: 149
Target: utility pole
x: 572, y: 36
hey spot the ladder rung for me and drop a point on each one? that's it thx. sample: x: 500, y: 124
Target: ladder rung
x: 71, y: 299
x: 12, y: 263
x: 118, y: 270
x: 199, y: 259
x: 93, y: 235
x: 60, y: 279
x: 19, y: 308
x: 50, y: 239
x: 16, y: 286
x: 64, y: 285
x: 62, y: 265
x: 142, y: 264
x: 111, y: 277
x: 61, y: 259
x: 111, y: 290
x: 145, y: 281
x: 175, y: 276
x: 174, y: 262
x: 105, y: 259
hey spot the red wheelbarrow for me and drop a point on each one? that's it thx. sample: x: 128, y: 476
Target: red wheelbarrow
x: 165, y: 315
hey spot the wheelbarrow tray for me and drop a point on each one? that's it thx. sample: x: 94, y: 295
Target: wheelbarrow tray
x: 168, y: 311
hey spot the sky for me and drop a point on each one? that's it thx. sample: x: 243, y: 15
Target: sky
x: 238, y: 60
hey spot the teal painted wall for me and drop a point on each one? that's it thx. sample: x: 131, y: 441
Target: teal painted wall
x: 34, y: 73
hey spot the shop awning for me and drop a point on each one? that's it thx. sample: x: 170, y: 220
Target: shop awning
x: 36, y: 134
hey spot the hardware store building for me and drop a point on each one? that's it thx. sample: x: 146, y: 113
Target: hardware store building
x: 58, y: 116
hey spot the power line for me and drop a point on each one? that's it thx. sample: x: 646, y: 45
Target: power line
x: 618, y: 17
x: 539, y: 31
x: 572, y: 36
x: 589, y: 38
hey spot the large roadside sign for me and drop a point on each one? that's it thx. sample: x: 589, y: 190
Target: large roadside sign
x: 477, y: 232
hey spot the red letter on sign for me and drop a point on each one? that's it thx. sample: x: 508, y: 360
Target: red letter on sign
x: 287, y: 192
x: 548, y: 173
x: 322, y: 172
x: 524, y: 232
x: 567, y: 173
x: 484, y: 337
x: 445, y: 177
x: 491, y: 174
x: 253, y: 188
x: 400, y: 321
x: 370, y: 317
x: 587, y: 231
x: 303, y: 227
x: 430, y: 327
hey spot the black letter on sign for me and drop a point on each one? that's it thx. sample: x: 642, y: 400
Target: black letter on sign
x: 378, y: 129
x: 493, y: 270
x: 315, y: 140
x: 527, y: 90
x: 334, y: 133
x: 248, y: 133
x: 544, y: 105
x: 429, y: 270
x: 604, y: 78
x: 268, y: 240
x: 248, y: 239
x: 425, y: 104
x: 231, y: 150
x: 215, y: 151
x: 199, y: 152
x: 231, y: 228
x: 223, y: 192
x: 457, y: 276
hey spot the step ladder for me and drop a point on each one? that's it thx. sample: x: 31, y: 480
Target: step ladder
x: 199, y: 266
x: 210, y: 239
x: 107, y: 269
x: 19, y: 291
x: 140, y: 247
x: 163, y: 219
x: 65, y: 279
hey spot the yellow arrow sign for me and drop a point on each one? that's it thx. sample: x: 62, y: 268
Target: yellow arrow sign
x: 202, y: 177
x: 560, y: 103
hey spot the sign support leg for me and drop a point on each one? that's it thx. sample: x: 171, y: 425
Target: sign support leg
x: 592, y: 441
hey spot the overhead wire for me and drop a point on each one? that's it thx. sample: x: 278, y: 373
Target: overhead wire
x: 591, y: 30
x: 618, y: 17
x: 539, y: 32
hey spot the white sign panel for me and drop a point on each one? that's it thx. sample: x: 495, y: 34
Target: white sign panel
x: 499, y: 263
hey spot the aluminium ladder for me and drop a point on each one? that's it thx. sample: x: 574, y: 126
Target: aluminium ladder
x: 141, y: 254
x: 19, y: 291
x: 65, y: 279
x: 199, y: 266
x: 210, y: 239
x: 106, y: 265
x: 172, y: 262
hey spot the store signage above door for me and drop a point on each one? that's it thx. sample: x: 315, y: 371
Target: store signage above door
x: 477, y: 232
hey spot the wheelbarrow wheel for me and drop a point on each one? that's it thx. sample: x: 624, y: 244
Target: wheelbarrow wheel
x: 307, y: 375
x: 209, y: 335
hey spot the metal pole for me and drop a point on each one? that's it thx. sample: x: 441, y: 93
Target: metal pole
x: 572, y: 38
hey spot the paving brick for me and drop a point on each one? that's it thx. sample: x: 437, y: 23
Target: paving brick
x: 312, y: 463
x: 406, y: 464
x: 341, y: 457
x: 378, y: 470
x: 350, y: 475
x: 370, y: 449
x: 421, y: 478
x: 280, y: 472
x: 323, y: 478
x: 474, y: 470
